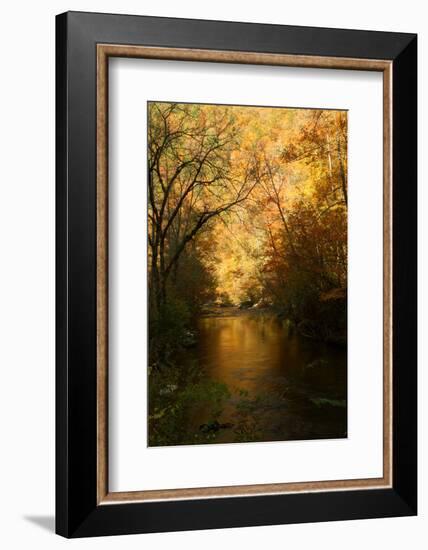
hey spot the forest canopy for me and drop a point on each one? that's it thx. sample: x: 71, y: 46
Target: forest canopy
x: 248, y: 205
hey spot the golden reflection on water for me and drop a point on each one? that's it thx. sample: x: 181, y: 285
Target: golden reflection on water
x: 245, y: 351
x: 261, y: 355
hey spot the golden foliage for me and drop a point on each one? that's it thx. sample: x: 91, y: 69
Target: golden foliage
x: 257, y: 196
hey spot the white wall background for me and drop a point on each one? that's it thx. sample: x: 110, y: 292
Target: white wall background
x: 27, y: 273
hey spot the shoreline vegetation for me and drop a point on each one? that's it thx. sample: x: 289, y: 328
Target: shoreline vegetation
x: 247, y: 221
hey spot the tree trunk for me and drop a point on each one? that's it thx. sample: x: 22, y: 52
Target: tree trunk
x: 342, y: 173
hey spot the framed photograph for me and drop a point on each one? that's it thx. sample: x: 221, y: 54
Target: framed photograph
x: 236, y: 274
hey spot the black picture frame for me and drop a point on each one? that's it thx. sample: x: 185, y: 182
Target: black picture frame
x: 77, y: 512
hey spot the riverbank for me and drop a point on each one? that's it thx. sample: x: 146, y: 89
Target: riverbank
x: 235, y: 311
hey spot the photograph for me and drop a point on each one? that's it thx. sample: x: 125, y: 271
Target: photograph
x: 247, y: 258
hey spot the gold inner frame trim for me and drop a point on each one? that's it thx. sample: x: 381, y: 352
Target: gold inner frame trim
x: 104, y: 51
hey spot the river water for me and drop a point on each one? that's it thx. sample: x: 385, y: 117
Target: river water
x: 282, y: 386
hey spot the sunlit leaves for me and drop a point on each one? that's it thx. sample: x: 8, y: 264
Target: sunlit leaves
x: 248, y: 202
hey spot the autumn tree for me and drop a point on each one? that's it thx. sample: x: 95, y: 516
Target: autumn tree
x: 305, y: 191
x: 191, y: 180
